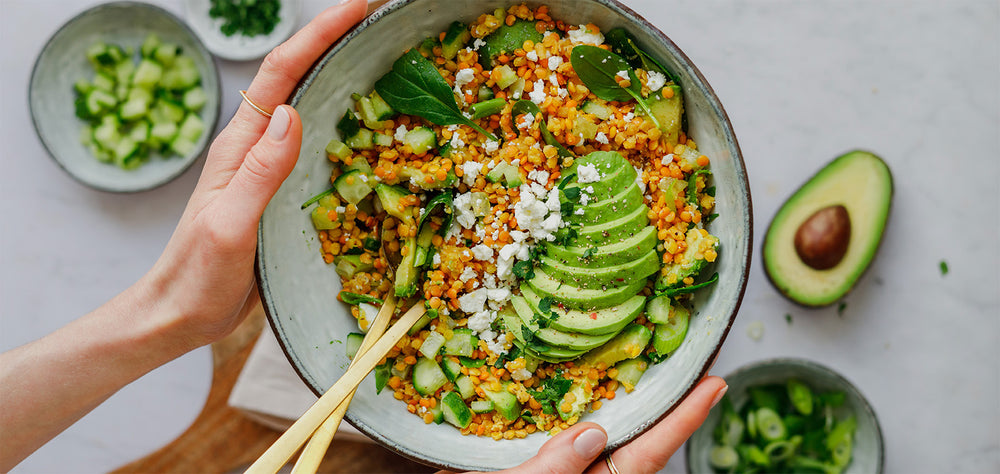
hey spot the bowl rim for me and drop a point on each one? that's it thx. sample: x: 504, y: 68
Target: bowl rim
x: 633, y: 17
x: 49, y: 44
x: 809, y: 365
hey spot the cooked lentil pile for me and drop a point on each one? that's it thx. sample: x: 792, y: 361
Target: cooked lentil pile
x: 528, y: 181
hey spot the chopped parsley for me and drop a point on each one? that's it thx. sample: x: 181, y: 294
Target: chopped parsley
x: 788, y: 318
x: 944, y: 267
x: 841, y: 307
x: 552, y: 391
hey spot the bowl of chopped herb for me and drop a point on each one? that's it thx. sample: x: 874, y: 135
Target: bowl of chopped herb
x: 788, y: 415
x: 544, y: 180
x: 242, y: 30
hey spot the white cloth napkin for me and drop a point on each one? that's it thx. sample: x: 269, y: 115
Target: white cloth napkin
x: 270, y: 392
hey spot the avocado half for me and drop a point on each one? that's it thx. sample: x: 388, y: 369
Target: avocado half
x: 857, y: 182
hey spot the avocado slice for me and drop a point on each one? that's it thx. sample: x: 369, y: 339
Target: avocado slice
x: 607, y: 210
x: 598, y: 278
x: 580, y: 298
x: 607, y: 320
x: 555, y: 337
x: 506, y: 39
x: 614, y: 253
x: 616, y: 174
x: 576, y: 399
x: 550, y: 353
x: 860, y: 182
x: 628, y: 344
x: 616, y: 230
x: 694, y: 260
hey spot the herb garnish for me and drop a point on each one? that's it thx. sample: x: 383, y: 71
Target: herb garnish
x: 415, y: 87
x: 690, y: 289
x: 553, y: 390
x: 246, y: 17
x: 318, y: 197
x: 355, y: 298
x: 944, y: 267
x: 598, y: 69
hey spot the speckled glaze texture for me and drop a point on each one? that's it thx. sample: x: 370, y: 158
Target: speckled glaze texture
x: 299, y: 290
x: 867, y: 454
x: 63, y: 60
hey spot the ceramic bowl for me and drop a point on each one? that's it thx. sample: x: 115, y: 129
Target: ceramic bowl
x: 299, y: 290
x: 867, y: 454
x: 63, y: 60
x: 238, y: 47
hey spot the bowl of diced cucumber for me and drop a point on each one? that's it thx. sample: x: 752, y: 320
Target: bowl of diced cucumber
x: 788, y: 415
x: 124, y: 97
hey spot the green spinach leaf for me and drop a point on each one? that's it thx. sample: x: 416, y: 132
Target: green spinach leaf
x: 597, y: 68
x: 524, y: 106
x: 415, y: 87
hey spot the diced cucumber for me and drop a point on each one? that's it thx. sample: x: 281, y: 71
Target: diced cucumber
x: 353, y: 186
x: 359, y: 163
x: 465, y: 386
x: 82, y: 87
x: 352, y: 343
x: 182, y: 75
x: 667, y: 337
x: 481, y: 406
x: 505, y: 403
x: 432, y: 344
x: 455, y: 410
x: 517, y: 88
x: 452, y: 368
x: 134, y: 109
x: 368, y: 115
x: 99, y: 101
x: 420, y: 139
x: 382, y: 374
x: 419, y: 325
x: 426, y: 47
x: 149, y: 45
x: 363, y: 139
x: 348, y: 125
x: 383, y: 111
x: 140, y: 131
x: 163, y: 132
x: 462, y: 343
x: 485, y: 93
x: 148, y: 74
x: 123, y: 73
x: 104, y: 82
x: 191, y: 128
x: 600, y: 111
x: 338, y: 148
x: 658, y: 309
x: 428, y: 376
x: 106, y: 133
x: 505, y: 76
x: 127, y: 153
x: 195, y: 99
x: 166, y: 111
x: 390, y: 197
x: 348, y: 265
x: 383, y: 139
x: 630, y: 371
x: 455, y: 39
x: 182, y: 146
x: 438, y: 413
x: 167, y: 53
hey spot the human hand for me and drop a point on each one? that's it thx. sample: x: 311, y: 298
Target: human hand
x: 576, y: 450
x: 205, y: 274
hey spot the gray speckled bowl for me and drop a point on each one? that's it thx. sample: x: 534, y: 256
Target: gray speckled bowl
x: 299, y: 290
x: 868, y: 445
x: 63, y: 60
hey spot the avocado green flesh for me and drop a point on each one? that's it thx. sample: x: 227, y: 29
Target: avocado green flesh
x: 581, y: 396
x: 628, y: 344
x: 614, y: 178
x: 606, y: 255
x: 555, y: 337
x: 615, y: 230
x: 601, y: 321
x: 693, y: 261
x: 581, y: 298
x: 610, y: 209
x: 603, y: 277
x: 551, y: 354
x: 862, y: 183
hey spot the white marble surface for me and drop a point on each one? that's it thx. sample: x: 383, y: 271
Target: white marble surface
x: 914, y: 81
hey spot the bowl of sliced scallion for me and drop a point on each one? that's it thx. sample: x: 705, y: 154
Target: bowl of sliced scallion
x: 124, y: 97
x: 788, y: 415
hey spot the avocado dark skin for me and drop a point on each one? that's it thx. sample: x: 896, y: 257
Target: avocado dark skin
x: 824, y: 237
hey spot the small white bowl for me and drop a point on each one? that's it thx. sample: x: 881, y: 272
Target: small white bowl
x: 238, y: 47
x: 299, y: 291
x: 867, y: 456
x: 63, y: 61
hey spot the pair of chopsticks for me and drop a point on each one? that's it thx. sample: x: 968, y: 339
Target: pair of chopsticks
x: 320, y: 422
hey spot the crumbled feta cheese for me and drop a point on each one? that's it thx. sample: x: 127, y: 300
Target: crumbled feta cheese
x: 552, y: 202
x: 623, y: 75
x: 491, y: 146
x: 470, y: 171
x: 340, y: 209
x: 521, y: 374
x: 400, y: 133
x: 473, y: 302
x: 482, y: 252
x: 496, y: 343
x: 478, y: 43
x: 464, y: 214
x: 519, y: 236
x: 655, y: 80
x: 578, y: 211
x: 628, y: 117
x: 464, y: 76
x: 436, y: 260
x: 638, y: 180
x: 499, y: 295
x: 532, y: 56
x: 489, y: 281
x: 525, y: 122
x: 583, y: 36
x: 584, y: 199
x: 667, y: 159
x: 586, y: 174
x: 456, y: 141
x: 467, y: 274
x: 555, y: 62
x: 589, y: 189
x: 539, y: 176
x: 481, y: 321
x: 601, y: 138
x: 537, y: 94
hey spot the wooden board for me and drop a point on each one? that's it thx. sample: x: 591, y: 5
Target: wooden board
x: 221, y: 439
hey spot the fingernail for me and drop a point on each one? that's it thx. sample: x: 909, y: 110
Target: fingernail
x: 590, y: 443
x: 718, y: 396
x: 280, y: 121
x: 344, y: 1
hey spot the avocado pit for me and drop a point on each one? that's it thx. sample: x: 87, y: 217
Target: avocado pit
x: 822, y: 240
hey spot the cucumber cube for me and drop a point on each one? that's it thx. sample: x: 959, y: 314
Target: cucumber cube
x: 427, y: 376
x: 148, y: 74
x: 462, y: 343
x: 191, y: 128
x: 432, y: 345
x: 455, y: 410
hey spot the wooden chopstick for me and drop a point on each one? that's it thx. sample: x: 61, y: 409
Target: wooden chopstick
x: 296, y: 435
x: 312, y: 454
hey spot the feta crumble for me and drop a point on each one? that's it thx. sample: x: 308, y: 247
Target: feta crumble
x: 582, y: 35
x: 470, y: 171
x: 586, y: 174
x: 532, y: 56
x: 400, y: 133
x: 601, y: 138
x: 655, y: 80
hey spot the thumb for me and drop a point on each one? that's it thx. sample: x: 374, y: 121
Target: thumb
x: 265, y: 167
x: 570, y: 451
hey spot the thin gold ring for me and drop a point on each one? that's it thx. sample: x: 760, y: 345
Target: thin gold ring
x: 254, y: 105
x: 611, y: 464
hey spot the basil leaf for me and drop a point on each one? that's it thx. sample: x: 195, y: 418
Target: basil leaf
x: 348, y: 125
x: 415, y: 87
x: 524, y: 106
x: 572, y: 194
x: 623, y: 43
x: 597, y: 68
x: 445, y: 201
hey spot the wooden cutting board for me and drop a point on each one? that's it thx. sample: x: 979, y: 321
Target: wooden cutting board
x: 221, y: 439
